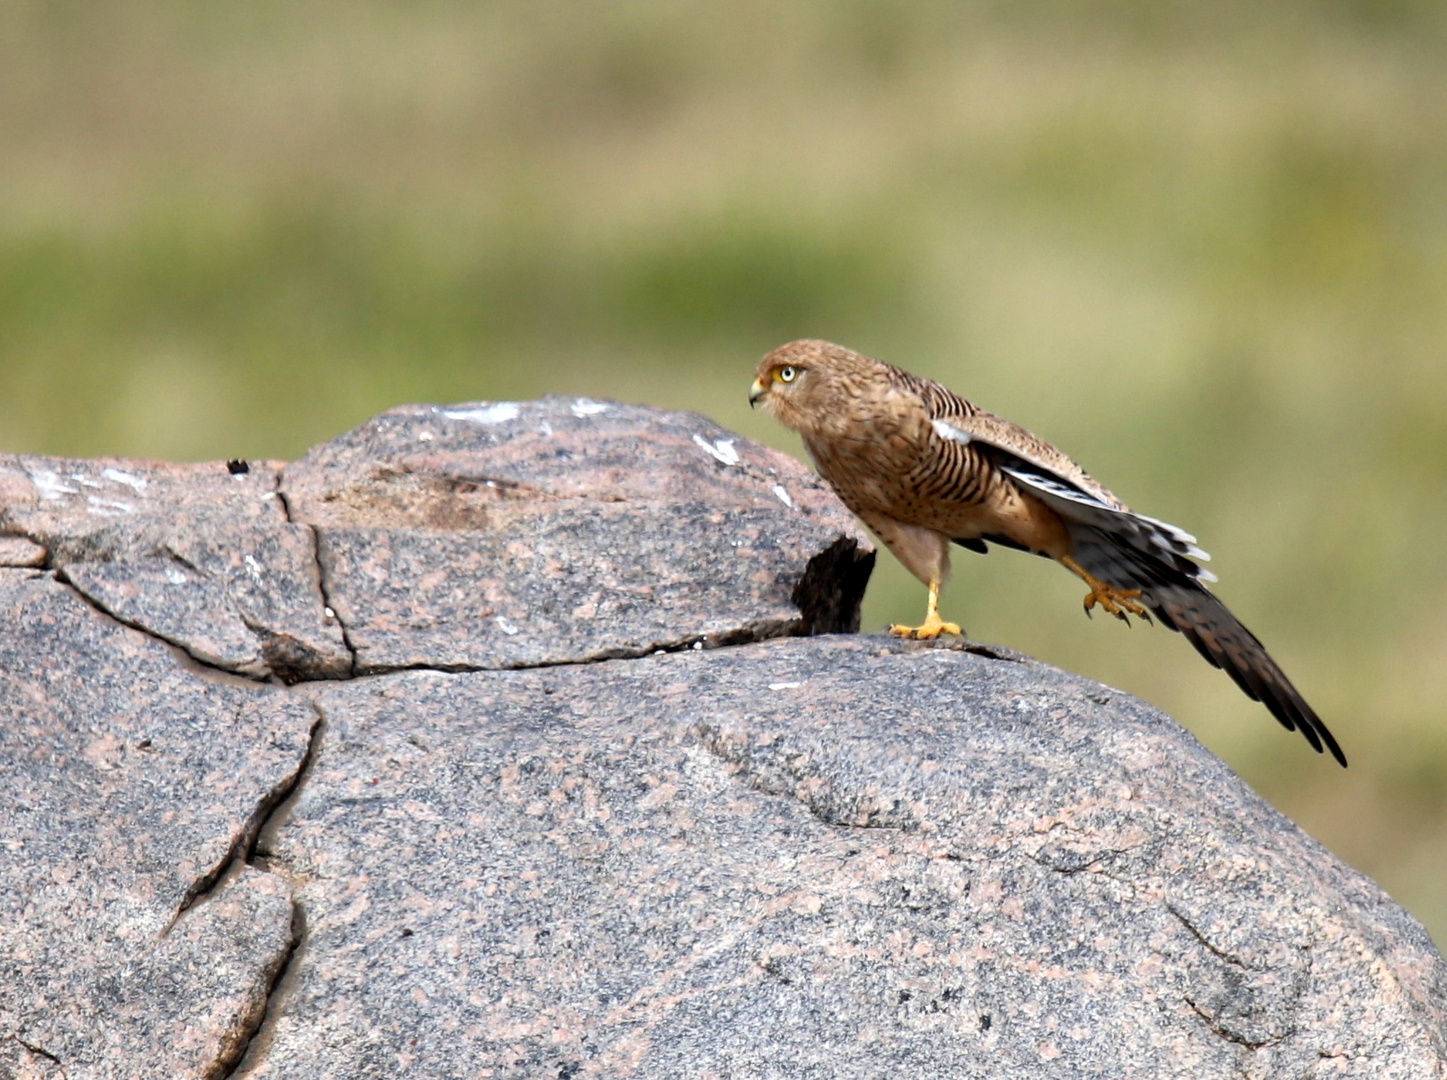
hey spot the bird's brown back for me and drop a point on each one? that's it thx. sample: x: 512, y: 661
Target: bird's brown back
x: 869, y: 428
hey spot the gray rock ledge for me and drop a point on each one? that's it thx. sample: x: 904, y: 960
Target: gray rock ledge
x: 531, y: 740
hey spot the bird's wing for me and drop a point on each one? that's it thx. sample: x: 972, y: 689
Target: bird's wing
x: 1131, y: 551
x: 1002, y: 434
x: 1069, y: 490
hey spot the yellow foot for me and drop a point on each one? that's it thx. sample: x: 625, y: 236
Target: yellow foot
x: 1115, y: 601
x: 933, y: 627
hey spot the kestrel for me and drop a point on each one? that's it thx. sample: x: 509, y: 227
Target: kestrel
x: 924, y: 468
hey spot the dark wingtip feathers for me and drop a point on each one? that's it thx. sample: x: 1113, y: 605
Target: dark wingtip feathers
x: 1220, y: 637
x: 1183, y: 603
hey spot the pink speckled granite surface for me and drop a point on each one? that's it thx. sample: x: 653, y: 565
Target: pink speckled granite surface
x: 835, y: 856
x: 481, y: 743
x: 128, y: 785
x: 563, y: 530
x: 192, y: 554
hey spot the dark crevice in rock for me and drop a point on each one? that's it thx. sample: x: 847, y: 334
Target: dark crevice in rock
x: 323, y: 585
x: 12, y: 530
x: 181, y: 560
x: 965, y: 645
x: 749, y: 634
x: 992, y: 652
x: 1237, y: 1016
x: 209, y: 672
x: 831, y: 590
x: 37, y: 562
x: 260, y: 852
x: 1226, y: 1033
x: 1206, y: 942
x: 289, y: 660
x: 180, y: 646
x: 328, y: 610
x: 38, y: 1051
x: 243, y: 849
x: 253, y: 1035
x: 1068, y: 863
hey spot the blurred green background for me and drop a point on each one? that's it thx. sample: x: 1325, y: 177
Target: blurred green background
x: 1201, y: 247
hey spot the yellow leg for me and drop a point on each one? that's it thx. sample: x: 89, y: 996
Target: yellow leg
x: 933, y: 626
x: 1116, y: 601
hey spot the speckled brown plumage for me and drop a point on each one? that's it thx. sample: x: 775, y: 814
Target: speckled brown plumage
x: 924, y: 468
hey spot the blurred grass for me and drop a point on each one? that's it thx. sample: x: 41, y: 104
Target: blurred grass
x: 1202, y: 248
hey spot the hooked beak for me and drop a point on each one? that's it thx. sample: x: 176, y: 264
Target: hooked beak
x: 757, y: 391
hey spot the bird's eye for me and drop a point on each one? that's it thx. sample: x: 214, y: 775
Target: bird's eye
x: 788, y: 373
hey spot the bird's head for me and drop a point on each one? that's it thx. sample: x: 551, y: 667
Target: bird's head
x: 795, y: 382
